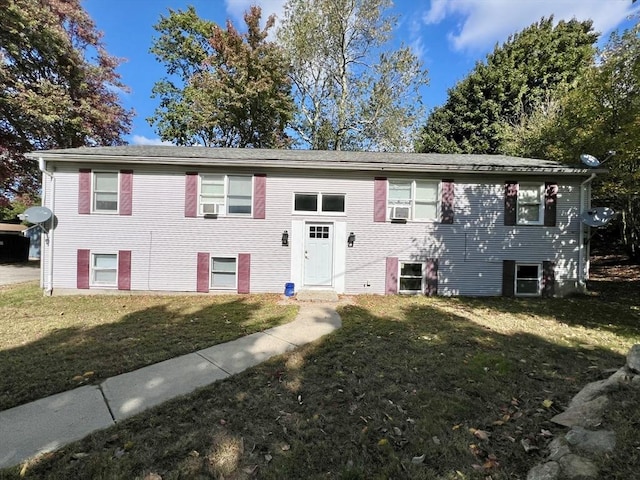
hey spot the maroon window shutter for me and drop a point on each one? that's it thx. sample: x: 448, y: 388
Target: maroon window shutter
x: 126, y: 191
x: 508, y: 278
x: 391, y: 282
x: 431, y: 277
x: 550, y: 201
x: 548, y: 279
x: 84, y: 191
x: 124, y: 270
x: 510, y: 202
x: 203, y: 273
x: 380, y: 199
x: 259, y: 195
x: 191, y: 196
x: 244, y: 273
x: 448, y: 201
x: 82, y: 269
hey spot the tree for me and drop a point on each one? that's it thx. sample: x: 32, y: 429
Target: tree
x: 351, y: 92
x: 58, y: 87
x: 529, y: 69
x: 226, y: 89
x: 601, y: 113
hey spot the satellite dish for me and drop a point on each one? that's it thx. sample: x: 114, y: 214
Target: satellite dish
x: 597, y: 216
x: 589, y: 160
x: 592, y: 162
x: 36, y: 215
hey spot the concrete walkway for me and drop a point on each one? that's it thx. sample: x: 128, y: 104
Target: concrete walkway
x: 50, y: 423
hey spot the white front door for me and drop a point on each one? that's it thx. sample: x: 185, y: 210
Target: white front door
x: 318, y: 254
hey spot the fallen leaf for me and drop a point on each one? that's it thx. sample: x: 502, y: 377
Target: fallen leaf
x: 382, y: 442
x: 435, y: 440
x: 79, y: 455
x: 547, y: 403
x: 526, y: 444
x: 88, y: 374
x: 418, y: 460
x: 268, y: 458
x: 78, y: 378
x: 286, y: 447
x: 457, y: 426
x: 397, y: 431
x: 480, y: 434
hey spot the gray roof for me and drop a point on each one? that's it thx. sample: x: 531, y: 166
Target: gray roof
x: 308, y: 159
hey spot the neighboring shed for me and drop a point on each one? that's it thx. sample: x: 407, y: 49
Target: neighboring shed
x: 14, y: 247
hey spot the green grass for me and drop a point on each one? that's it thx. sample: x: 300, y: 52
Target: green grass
x: 52, y: 344
x: 462, y: 382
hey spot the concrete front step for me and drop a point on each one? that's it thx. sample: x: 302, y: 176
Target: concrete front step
x: 317, y: 296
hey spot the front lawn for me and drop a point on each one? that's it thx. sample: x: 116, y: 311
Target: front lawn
x: 52, y: 344
x: 421, y: 388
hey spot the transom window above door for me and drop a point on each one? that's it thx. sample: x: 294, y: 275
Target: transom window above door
x: 321, y: 203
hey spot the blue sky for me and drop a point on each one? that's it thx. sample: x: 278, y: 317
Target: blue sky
x: 450, y: 36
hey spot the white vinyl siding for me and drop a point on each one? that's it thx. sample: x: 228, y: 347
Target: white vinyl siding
x: 413, y: 199
x: 224, y: 273
x: 104, y: 269
x: 528, y: 279
x: 530, y: 203
x: 225, y: 194
x: 105, y: 192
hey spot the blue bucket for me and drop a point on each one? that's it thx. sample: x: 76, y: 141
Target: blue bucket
x: 289, y: 289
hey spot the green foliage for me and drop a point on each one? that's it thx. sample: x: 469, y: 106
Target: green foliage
x: 58, y: 87
x: 526, y: 71
x: 16, y: 206
x: 602, y: 113
x: 224, y: 88
x: 352, y: 92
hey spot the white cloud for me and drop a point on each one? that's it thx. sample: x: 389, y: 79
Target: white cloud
x: 480, y: 24
x: 142, y: 140
x: 237, y: 8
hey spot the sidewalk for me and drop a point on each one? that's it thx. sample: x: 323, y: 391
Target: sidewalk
x: 52, y: 422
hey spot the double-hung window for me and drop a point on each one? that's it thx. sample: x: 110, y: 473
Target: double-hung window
x: 225, y: 194
x: 528, y: 279
x: 413, y: 199
x: 411, y: 277
x: 328, y: 203
x: 223, y: 273
x: 530, y: 203
x: 105, y: 192
x: 104, y: 269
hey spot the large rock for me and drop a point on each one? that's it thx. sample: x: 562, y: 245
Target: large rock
x: 592, y: 441
x: 587, y: 414
x: 558, y: 448
x: 544, y: 471
x: 578, y: 468
x: 633, y: 359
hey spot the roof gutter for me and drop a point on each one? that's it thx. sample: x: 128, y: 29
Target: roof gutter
x: 584, y: 249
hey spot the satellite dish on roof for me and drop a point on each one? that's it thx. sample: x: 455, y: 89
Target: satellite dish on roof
x: 597, y: 216
x: 592, y: 162
x: 36, y: 215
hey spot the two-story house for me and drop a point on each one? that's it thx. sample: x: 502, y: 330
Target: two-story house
x: 195, y: 219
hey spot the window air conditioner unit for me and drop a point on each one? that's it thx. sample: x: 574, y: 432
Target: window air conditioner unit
x: 211, y: 208
x: 400, y: 213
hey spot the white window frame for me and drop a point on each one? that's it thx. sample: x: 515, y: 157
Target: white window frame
x: 93, y: 269
x: 94, y: 192
x: 319, y: 211
x: 211, y: 272
x: 423, y: 279
x: 538, y: 279
x: 540, y: 203
x: 224, y: 205
x: 411, y: 203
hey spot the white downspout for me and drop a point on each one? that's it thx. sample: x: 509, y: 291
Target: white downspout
x: 48, y: 287
x: 582, y: 248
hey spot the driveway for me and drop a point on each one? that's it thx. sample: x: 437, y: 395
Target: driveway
x: 19, y: 272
